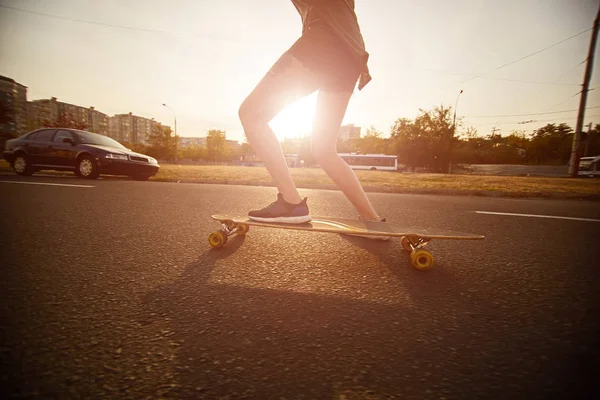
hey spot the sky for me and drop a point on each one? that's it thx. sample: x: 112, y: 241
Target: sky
x: 203, y: 57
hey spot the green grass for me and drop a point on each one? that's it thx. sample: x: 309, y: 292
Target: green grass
x: 387, y: 181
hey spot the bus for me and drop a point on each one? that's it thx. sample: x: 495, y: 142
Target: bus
x: 373, y: 162
x: 588, y: 166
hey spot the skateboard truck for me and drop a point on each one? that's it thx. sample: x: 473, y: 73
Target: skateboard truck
x: 228, y: 228
x: 413, y: 245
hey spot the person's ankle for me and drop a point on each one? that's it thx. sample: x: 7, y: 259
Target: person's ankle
x: 375, y: 218
x: 293, y: 200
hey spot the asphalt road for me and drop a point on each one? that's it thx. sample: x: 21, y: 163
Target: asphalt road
x: 112, y: 291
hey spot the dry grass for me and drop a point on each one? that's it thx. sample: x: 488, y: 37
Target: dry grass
x: 390, y: 181
x: 387, y: 181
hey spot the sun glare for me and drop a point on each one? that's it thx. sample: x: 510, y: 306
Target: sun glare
x: 296, y: 120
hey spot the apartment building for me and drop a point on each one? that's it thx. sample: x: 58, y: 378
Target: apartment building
x: 13, y: 107
x: 348, y: 132
x: 192, y: 141
x: 131, y: 128
x: 49, y: 110
x: 201, y: 141
x: 234, y: 145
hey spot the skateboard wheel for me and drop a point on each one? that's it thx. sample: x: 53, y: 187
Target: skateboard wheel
x: 242, y: 229
x: 421, y: 259
x: 217, y: 239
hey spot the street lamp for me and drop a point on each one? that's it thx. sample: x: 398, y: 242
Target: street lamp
x: 452, y: 134
x: 175, y: 117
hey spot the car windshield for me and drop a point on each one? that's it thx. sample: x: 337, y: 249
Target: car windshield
x: 101, y: 140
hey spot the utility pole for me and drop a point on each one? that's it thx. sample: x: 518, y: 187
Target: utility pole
x: 587, y: 140
x: 575, y: 150
x: 452, y: 133
x: 175, y: 117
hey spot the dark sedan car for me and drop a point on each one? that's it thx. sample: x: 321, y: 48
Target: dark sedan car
x: 85, y: 153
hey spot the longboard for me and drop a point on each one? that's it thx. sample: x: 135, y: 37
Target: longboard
x: 412, y: 239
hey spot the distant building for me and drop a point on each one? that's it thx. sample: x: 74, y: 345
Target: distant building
x: 192, y: 141
x: 50, y: 109
x: 233, y: 144
x: 13, y: 107
x: 201, y: 141
x: 131, y: 128
x: 348, y: 132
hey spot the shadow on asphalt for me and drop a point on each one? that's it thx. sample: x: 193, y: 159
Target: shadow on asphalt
x: 241, y: 342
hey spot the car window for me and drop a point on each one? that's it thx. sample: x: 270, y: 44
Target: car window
x: 101, y: 140
x: 31, y: 136
x: 44, y: 135
x: 61, y: 134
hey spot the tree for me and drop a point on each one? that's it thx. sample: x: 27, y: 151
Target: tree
x: 216, y: 145
x: 162, y: 143
x: 425, y: 141
x: 470, y: 134
x: 372, y: 142
x: 591, y: 142
x: 348, y: 146
x: 305, y: 152
x: 193, y: 152
x: 290, y: 146
x: 551, y: 144
x: 65, y: 119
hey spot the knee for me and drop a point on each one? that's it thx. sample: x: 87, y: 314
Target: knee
x: 255, y: 111
x: 246, y: 113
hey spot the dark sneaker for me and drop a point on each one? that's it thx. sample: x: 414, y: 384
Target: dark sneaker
x: 282, y: 211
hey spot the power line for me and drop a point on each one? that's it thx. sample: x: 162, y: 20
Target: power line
x: 131, y: 28
x: 529, y: 55
x: 526, y: 115
x: 531, y: 121
x: 562, y: 102
x: 504, y: 79
x: 83, y: 21
x: 537, y: 94
x: 516, y: 60
x: 555, y: 119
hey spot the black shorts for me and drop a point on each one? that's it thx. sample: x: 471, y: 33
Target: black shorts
x: 320, y: 51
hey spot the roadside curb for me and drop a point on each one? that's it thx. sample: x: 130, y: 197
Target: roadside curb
x: 399, y: 190
x: 379, y: 189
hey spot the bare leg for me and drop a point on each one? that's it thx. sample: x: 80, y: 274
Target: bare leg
x: 331, y: 108
x: 287, y: 81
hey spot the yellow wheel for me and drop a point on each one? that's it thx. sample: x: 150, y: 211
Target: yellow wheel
x: 405, y: 244
x: 242, y: 229
x: 421, y: 259
x: 217, y: 239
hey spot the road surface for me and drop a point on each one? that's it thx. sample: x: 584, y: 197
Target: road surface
x: 110, y: 290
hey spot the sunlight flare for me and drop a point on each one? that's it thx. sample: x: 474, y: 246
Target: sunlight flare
x: 296, y: 120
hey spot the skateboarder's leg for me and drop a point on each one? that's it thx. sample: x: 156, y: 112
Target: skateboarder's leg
x: 331, y: 108
x: 287, y: 81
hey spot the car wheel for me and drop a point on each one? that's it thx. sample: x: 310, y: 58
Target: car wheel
x: 87, y: 168
x: 21, y: 165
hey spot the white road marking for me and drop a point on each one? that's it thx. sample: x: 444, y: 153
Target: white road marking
x: 48, y: 184
x: 538, y: 216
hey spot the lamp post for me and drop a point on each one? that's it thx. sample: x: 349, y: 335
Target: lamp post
x: 175, y: 117
x: 452, y: 134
